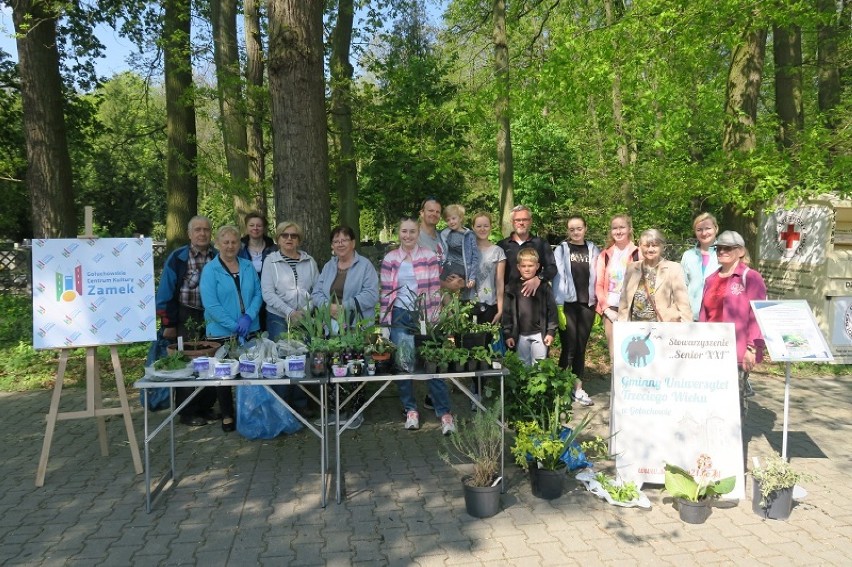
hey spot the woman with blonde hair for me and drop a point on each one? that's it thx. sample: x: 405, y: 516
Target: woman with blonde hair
x: 610, y: 269
x: 699, y: 262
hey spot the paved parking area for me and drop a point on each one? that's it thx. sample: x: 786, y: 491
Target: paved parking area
x: 241, y: 502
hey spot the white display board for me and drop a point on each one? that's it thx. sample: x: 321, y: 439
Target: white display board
x: 675, y: 396
x: 791, y: 331
x: 93, y: 291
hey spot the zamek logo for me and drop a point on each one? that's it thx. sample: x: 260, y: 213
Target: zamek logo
x: 69, y: 286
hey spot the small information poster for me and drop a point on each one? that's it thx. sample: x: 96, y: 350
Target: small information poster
x: 675, y: 396
x: 791, y: 331
x: 93, y: 291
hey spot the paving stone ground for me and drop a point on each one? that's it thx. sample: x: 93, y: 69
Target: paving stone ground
x: 241, y: 502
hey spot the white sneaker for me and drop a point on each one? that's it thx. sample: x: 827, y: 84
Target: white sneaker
x: 447, y: 424
x: 412, y: 420
x: 581, y: 397
x: 357, y: 422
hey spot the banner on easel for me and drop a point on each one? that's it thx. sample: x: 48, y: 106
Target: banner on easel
x: 93, y: 291
x: 675, y: 396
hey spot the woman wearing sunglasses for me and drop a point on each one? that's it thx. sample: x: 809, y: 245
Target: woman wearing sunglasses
x: 727, y: 294
x: 287, y: 279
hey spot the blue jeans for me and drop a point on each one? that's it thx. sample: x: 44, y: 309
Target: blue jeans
x: 400, y: 333
x: 275, y: 325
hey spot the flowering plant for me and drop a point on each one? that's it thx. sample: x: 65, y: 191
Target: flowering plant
x: 681, y: 484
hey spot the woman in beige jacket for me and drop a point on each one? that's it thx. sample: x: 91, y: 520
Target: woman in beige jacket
x: 654, y: 288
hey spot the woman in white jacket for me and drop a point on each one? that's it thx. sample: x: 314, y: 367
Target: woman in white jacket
x: 287, y: 279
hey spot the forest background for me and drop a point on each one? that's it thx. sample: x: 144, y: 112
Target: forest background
x: 353, y: 111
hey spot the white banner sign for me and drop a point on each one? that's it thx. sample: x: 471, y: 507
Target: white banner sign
x: 93, y: 291
x: 675, y: 396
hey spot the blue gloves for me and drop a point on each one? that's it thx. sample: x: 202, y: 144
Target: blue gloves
x: 243, y: 324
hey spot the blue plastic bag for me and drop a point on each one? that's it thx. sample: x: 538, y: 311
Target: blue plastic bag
x: 158, y: 398
x: 574, y: 457
x: 499, y: 345
x: 260, y: 415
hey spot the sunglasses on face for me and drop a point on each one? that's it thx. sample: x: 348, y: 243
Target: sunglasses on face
x: 725, y: 249
x: 289, y: 235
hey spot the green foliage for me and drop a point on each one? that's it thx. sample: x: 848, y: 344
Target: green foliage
x: 623, y: 492
x: 541, y: 440
x: 680, y: 483
x: 776, y: 474
x: 532, y: 391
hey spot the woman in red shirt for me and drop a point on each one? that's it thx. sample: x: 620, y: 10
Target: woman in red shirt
x: 727, y: 297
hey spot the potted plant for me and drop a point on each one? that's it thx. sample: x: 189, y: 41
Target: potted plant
x: 483, y: 356
x: 459, y: 360
x: 195, y: 346
x: 692, y: 490
x: 540, y: 447
x: 431, y: 354
x: 479, y: 441
x: 773, y: 487
x: 381, y: 351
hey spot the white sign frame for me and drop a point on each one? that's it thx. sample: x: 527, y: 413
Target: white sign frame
x: 678, y: 401
x: 93, y: 292
x: 790, y: 331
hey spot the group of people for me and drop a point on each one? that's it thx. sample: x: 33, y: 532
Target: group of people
x: 531, y: 290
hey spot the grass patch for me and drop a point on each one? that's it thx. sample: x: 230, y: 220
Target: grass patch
x: 23, y: 368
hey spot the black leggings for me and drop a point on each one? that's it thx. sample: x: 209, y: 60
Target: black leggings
x: 575, y: 337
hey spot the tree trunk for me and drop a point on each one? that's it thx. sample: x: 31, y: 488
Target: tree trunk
x: 49, y: 177
x: 614, y: 10
x: 341, y: 114
x: 299, y: 128
x: 787, y: 52
x: 743, y: 90
x: 255, y: 104
x: 501, y: 111
x: 229, y: 89
x: 828, y: 68
x: 181, y: 177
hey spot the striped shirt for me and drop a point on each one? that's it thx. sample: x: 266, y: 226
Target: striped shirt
x: 426, y: 272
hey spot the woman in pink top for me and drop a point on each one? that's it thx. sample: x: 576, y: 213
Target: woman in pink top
x: 727, y: 297
x: 610, y: 270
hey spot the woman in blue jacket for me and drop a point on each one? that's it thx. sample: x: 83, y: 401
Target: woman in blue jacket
x: 700, y: 262
x: 230, y: 294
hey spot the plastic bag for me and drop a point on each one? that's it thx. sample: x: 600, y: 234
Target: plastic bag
x: 289, y: 347
x: 588, y: 479
x: 260, y: 415
x: 574, y: 457
x: 158, y: 398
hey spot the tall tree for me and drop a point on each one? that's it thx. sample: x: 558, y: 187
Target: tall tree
x: 255, y: 103
x: 741, y: 102
x: 828, y: 68
x: 229, y: 89
x: 789, y: 101
x: 505, y: 163
x: 49, y: 177
x: 299, y: 128
x: 181, y: 175
x: 341, y: 115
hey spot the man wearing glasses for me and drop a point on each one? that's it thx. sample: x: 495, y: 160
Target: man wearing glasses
x: 522, y: 238
x: 179, y: 301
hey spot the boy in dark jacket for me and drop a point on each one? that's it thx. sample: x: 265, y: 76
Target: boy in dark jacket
x: 529, y: 321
